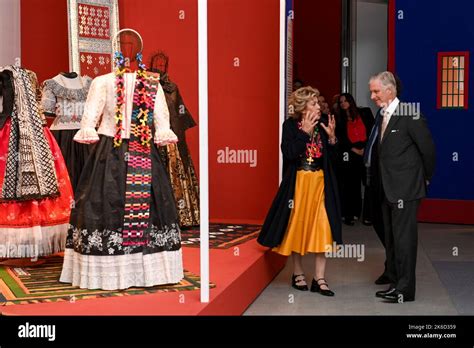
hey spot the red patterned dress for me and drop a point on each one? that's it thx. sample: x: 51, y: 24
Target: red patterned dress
x: 32, y: 227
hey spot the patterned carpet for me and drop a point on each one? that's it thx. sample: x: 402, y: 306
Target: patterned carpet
x: 221, y: 236
x: 41, y: 284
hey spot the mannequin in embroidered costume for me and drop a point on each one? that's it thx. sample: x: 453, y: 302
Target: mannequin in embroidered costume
x: 35, y: 192
x: 124, y: 227
x: 176, y: 156
x: 63, y: 98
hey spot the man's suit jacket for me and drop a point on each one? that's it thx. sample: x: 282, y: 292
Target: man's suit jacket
x: 406, y: 158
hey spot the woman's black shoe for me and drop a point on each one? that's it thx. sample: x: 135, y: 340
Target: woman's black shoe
x: 316, y: 287
x: 300, y: 279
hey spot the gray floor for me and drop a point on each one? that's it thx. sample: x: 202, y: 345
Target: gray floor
x: 445, y: 278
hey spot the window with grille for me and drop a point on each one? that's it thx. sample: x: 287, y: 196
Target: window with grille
x: 453, y: 78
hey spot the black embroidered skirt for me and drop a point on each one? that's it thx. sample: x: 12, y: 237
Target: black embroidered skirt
x: 74, y: 153
x: 95, y: 257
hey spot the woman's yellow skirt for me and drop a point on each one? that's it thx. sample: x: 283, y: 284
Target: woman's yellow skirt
x: 308, y: 228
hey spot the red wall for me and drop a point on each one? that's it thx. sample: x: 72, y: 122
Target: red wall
x: 243, y: 105
x: 161, y: 28
x: 391, y: 35
x: 317, y: 44
x: 44, y: 39
x: 243, y: 101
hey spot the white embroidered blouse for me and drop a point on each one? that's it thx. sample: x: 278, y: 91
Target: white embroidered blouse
x: 64, y: 98
x: 99, y: 111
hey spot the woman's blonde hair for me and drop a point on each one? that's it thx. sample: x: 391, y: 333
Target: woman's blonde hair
x: 298, y: 100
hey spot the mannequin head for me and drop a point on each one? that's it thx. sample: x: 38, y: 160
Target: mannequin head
x: 130, y: 43
x: 159, y: 63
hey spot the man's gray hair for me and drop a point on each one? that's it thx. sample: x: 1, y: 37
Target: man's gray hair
x: 387, y: 79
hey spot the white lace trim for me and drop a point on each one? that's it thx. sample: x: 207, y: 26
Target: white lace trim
x: 33, y: 241
x: 165, y: 137
x: 86, y: 136
x: 122, y: 271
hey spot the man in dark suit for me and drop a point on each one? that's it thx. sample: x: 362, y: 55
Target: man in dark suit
x: 406, y: 154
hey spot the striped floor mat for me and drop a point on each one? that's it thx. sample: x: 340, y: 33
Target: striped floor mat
x: 221, y: 236
x: 40, y: 284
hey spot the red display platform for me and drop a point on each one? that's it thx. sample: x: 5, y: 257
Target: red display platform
x: 240, y: 273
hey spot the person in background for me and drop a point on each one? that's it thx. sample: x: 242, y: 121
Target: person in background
x: 297, y: 83
x: 335, y: 110
x: 305, y: 215
x: 354, y: 128
x: 324, y: 106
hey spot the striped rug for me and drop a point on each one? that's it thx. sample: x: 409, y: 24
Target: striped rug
x: 40, y: 284
x: 221, y: 236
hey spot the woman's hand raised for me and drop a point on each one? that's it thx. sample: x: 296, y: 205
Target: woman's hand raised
x: 331, y: 127
x: 308, y: 122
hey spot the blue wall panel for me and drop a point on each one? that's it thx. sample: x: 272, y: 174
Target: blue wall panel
x: 429, y: 27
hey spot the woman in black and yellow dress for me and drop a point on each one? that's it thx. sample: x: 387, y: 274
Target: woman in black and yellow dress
x: 305, y: 214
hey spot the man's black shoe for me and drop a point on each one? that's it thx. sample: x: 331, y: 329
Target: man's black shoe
x: 397, y: 297
x: 382, y: 293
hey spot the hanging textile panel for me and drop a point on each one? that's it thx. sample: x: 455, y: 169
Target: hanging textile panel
x: 92, y: 28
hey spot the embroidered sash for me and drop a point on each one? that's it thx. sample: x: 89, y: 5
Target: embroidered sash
x: 139, y: 176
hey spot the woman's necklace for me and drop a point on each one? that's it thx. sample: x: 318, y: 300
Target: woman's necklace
x: 315, y: 146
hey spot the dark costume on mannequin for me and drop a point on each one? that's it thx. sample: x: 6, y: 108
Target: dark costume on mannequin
x: 124, y: 229
x: 176, y: 156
